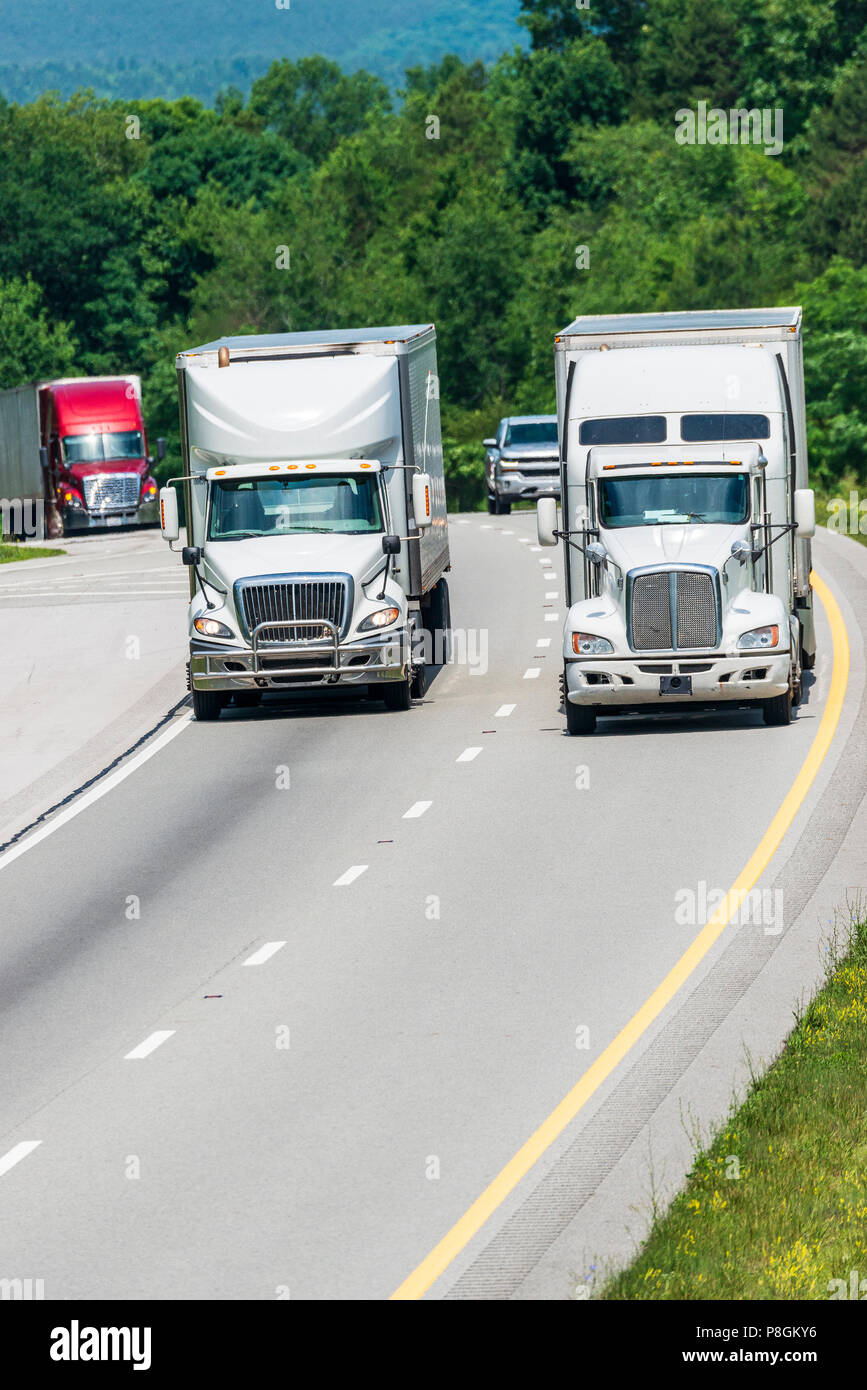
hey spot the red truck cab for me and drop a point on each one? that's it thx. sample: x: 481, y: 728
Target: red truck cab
x: 98, y: 462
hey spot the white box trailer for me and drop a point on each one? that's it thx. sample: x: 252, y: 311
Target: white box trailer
x: 316, y: 508
x: 686, y: 509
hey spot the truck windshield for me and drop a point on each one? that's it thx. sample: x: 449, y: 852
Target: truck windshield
x: 535, y: 432
x: 720, y: 499
x: 101, y: 448
x: 330, y: 503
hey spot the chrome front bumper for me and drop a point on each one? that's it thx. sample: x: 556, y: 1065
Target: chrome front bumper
x: 74, y: 519
x: 613, y: 682
x: 262, y: 665
x: 527, y: 485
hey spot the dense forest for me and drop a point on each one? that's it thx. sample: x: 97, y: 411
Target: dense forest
x: 132, y: 228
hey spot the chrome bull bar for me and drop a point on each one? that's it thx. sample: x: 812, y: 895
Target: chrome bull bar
x: 300, y: 645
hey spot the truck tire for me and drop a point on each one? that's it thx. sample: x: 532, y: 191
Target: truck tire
x: 207, y: 704
x: 580, y: 719
x: 397, y: 695
x: 778, y: 710
x: 808, y: 660
x: 437, y: 617
x: 493, y: 507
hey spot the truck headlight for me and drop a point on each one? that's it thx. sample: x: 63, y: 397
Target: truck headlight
x: 586, y: 644
x: 209, y: 627
x: 760, y: 637
x: 384, y: 617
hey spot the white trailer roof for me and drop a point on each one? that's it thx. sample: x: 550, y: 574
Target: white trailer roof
x: 287, y: 344
x: 691, y: 320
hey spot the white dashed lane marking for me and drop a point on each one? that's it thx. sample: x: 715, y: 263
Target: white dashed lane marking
x: 265, y: 953
x: 149, y: 1045
x: 468, y: 755
x: 418, y: 809
x: 543, y: 642
x: 15, y: 1155
x: 504, y: 711
x: 350, y: 876
x: 533, y: 673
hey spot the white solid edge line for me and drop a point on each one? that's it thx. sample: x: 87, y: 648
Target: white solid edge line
x: 265, y: 953
x: 504, y: 711
x: 150, y: 1044
x: 16, y: 1154
x: 533, y: 673
x: 468, y: 755
x: 416, y: 810
x: 350, y: 876
x: 97, y: 792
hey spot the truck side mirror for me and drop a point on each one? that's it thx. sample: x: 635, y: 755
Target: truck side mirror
x: 169, y: 524
x: 805, y: 512
x: 742, y: 551
x: 191, y: 555
x: 546, y: 520
x: 422, y: 500
x: 489, y: 443
x: 391, y: 545
x: 161, y: 449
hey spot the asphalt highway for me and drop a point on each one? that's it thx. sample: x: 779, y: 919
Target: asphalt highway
x: 278, y: 1007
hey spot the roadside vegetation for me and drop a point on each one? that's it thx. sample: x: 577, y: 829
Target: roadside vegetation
x: 776, y: 1206
x: 11, y: 552
x: 499, y: 200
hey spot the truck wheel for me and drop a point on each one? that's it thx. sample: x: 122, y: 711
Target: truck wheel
x: 437, y: 617
x: 808, y: 660
x: 493, y: 507
x: 397, y: 695
x: 778, y: 710
x: 580, y: 719
x: 207, y: 704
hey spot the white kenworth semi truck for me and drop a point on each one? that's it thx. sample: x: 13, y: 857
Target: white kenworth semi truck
x: 316, y: 514
x: 686, y: 512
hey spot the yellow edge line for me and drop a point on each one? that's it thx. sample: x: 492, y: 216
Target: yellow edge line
x: 430, y: 1269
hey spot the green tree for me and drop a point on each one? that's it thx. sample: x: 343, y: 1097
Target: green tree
x: 313, y: 104
x: 32, y: 345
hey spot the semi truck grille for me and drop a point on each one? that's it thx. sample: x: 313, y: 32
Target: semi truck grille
x: 674, y: 610
x: 696, y: 609
x: 112, y: 492
x: 651, y: 612
x: 275, y: 600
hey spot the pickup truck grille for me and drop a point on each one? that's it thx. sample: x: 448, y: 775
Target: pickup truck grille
x: 674, y: 610
x: 273, y: 600
x: 112, y: 492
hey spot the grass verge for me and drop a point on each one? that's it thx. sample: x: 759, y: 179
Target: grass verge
x: 10, y: 553
x: 776, y: 1206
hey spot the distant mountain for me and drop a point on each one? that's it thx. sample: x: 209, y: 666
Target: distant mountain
x: 166, y: 48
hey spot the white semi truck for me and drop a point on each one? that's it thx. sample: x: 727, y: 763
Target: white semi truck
x: 687, y: 514
x: 316, y: 514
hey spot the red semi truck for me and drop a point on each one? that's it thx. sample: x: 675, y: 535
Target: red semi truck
x: 74, y: 456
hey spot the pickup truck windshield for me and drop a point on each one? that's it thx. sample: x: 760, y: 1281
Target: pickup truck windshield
x: 102, y: 448
x: 540, y: 432
x: 330, y: 503
x: 720, y: 499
